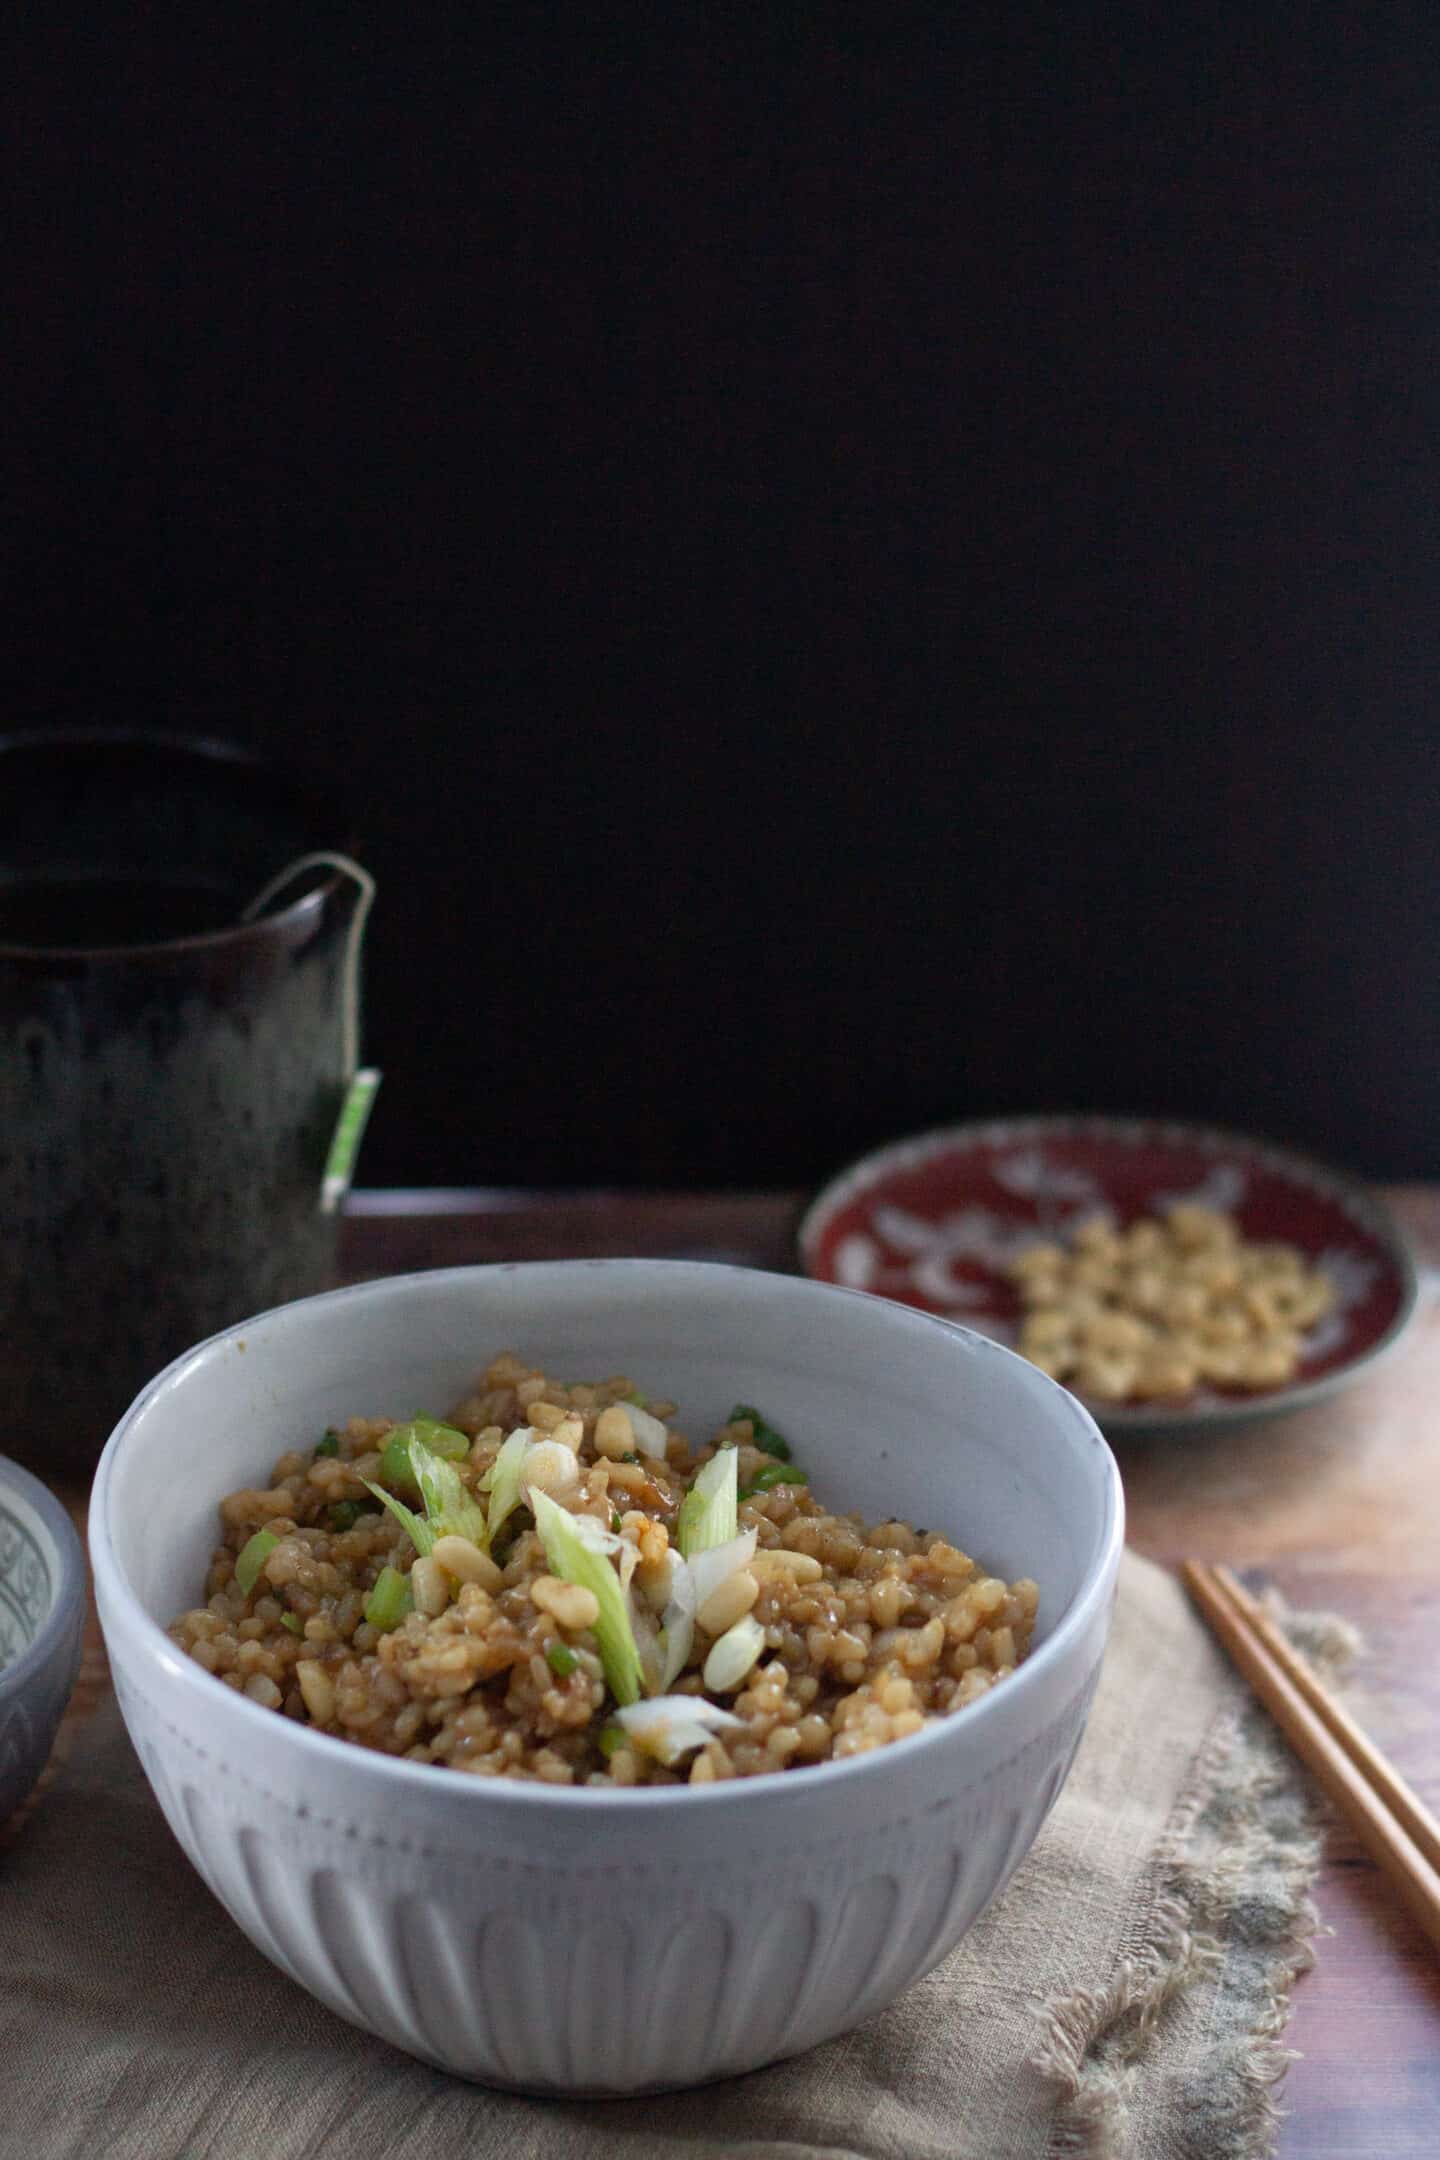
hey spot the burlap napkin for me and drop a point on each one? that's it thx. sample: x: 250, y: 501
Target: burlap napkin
x: 1124, y: 1999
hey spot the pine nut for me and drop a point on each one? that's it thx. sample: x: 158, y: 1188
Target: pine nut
x: 429, y: 1588
x: 776, y: 1560
x: 629, y: 1476
x: 545, y: 1416
x: 466, y: 1563
x: 728, y: 1602
x: 317, y: 1689
x: 614, y: 1434
x: 733, y: 1656
x: 571, y: 1605
x: 262, y: 1690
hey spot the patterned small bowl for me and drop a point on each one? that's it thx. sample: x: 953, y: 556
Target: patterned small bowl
x: 934, y: 1221
x: 42, y: 1614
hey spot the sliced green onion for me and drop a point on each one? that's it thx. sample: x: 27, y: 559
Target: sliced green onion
x: 773, y: 1474
x: 670, y: 1726
x: 395, y: 1461
x: 574, y: 1558
x: 441, y: 1439
x: 717, y: 1563
x: 421, y: 1536
x: 450, y: 1509
x: 329, y: 1444
x: 641, y: 1401
x: 766, y: 1438
x: 677, y: 1622
x: 506, y: 1491
x: 561, y: 1659
x: 396, y: 1469
x: 611, y: 1739
x: 290, y: 1620
x: 344, y: 1514
x: 615, y: 1518
x: 651, y: 1436
x: 389, y: 1601
x: 707, y: 1513
x: 253, y: 1555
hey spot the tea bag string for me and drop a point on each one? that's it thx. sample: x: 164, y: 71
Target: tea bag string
x: 323, y: 858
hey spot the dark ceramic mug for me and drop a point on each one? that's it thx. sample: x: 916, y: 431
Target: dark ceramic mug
x: 170, y: 1075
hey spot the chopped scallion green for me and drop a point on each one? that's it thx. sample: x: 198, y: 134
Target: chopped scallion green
x: 442, y: 1439
x: 253, y: 1555
x: 506, y: 1492
x: 707, y: 1513
x: 641, y: 1402
x: 329, y: 1444
x: 776, y: 1474
x: 575, y: 1560
x: 421, y: 1536
x: 344, y: 1514
x: 450, y: 1508
x: 672, y: 1726
x: 650, y: 1436
x: 766, y: 1438
x: 396, y: 1469
x: 290, y: 1620
x: 612, y: 1738
x: 395, y: 1462
x: 389, y: 1601
x: 561, y: 1659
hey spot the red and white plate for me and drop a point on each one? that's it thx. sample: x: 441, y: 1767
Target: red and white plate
x: 935, y: 1220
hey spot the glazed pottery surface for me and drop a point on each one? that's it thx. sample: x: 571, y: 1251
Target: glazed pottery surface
x: 165, y: 1106
x: 599, y: 1940
x: 42, y: 1614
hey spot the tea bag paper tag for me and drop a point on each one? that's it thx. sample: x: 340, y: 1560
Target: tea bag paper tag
x: 349, y: 1132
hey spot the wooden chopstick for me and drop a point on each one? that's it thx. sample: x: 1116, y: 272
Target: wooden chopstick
x: 1404, y: 1803
x: 1345, y: 1776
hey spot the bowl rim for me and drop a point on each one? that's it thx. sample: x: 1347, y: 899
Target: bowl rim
x: 68, y: 1593
x: 201, y: 1686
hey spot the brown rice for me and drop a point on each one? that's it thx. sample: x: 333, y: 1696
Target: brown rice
x: 865, y: 1632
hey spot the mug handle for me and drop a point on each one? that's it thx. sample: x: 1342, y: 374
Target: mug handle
x: 323, y: 858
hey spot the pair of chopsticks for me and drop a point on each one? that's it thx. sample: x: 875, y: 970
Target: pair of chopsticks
x: 1392, y: 1823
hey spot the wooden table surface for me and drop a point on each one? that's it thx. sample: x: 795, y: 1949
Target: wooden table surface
x: 1338, y: 1505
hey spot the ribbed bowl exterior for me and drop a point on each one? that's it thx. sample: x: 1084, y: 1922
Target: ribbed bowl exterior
x: 609, y: 1941
x: 607, y: 1977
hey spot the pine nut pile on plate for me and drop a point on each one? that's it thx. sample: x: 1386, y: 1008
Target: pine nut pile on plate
x: 553, y: 1584
x: 1149, y: 1312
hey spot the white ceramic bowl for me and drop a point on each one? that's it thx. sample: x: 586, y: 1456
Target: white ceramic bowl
x: 572, y: 1940
x: 42, y: 1613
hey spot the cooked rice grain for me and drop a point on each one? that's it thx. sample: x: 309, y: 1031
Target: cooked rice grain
x: 868, y: 1631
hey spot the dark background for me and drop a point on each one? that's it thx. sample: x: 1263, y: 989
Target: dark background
x: 861, y: 567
